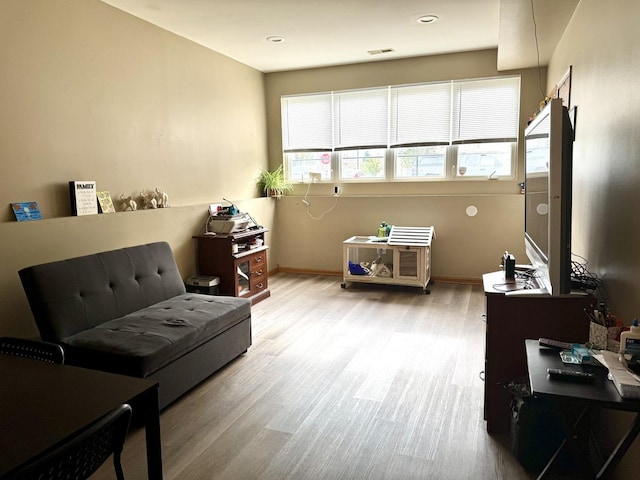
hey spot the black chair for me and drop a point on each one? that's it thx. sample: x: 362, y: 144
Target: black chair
x: 81, y: 456
x: 37, y: 350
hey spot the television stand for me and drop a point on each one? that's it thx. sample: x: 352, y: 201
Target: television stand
x: 510, y: 320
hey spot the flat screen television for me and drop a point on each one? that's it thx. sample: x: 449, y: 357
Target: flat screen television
x: 548, y: 180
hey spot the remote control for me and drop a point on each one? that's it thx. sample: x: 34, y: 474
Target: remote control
x: 570, y: 374
x: 546, y: 342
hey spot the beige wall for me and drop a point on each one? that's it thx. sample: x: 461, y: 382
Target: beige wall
x: 607, y: 148
x: 602, y: 45
x: 88, y: 92
x: 465, y: 247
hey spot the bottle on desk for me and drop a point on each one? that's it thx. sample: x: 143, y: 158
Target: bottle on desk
x: 630, y: 340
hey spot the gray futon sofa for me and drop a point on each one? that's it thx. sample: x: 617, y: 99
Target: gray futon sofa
x: 126, y: 311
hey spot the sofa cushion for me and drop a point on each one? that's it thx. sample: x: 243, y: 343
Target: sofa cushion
x: 144, y: 341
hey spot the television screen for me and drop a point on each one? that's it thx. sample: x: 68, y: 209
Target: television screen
x: 537, y: 187
x: 548, y: 179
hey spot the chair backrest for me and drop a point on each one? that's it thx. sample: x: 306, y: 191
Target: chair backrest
x: 35, y: 349
x: 81, y: 456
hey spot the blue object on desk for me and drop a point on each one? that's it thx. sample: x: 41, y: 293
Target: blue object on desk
x: 581, y: 353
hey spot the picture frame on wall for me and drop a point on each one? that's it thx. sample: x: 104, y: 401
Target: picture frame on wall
x: 25, y: 211
x: 105, y: 202
x: 83, y: 197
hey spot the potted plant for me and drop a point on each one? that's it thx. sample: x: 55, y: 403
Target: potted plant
x: 274, y: 183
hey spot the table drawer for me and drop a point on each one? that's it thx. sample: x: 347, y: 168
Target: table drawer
x: 257, y: 260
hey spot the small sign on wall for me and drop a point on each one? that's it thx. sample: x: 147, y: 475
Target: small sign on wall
x: 105, y: 202
x: 25, y: 211
x: 83, y: 197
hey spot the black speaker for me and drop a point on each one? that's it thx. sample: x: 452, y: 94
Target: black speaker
x: 509, y: 265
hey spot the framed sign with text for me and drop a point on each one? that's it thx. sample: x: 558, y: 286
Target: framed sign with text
x: 83, y: 197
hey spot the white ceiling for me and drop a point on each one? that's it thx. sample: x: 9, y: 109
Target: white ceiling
x: 333, y: 32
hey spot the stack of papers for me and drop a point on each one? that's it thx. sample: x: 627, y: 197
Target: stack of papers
x: 627, y: 383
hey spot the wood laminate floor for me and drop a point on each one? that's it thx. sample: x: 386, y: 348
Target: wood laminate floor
x: 367, y: 382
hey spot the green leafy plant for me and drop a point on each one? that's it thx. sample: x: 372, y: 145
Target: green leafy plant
x: 274, y: 182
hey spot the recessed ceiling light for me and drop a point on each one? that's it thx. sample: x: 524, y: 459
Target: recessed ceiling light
x: 275, y: 39
x: 427, y: 19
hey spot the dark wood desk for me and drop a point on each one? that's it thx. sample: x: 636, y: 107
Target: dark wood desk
x: 42, y: 404
x: 579, y: 397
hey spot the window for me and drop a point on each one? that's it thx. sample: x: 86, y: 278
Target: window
x: 489, y: 160
x: 485, y: 110
x: 361, y: 119
x: 421, y: 114
x: 420, y: 162
x: 301, y: 164
x: 446, y: 130
x: 306, y: 122
x: 307, y: 135
x: 361, y: 164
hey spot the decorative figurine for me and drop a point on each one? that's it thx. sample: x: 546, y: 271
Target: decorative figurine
x: 128, y: 203
x: 148, y: 199
x: 162, y: 198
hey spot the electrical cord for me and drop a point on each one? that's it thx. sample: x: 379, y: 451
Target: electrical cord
x: 306, y: 201
x: 324, y: 213
x: 581, y: 274
x: 535, y: 35
x: 205, y: 227
x: 530, y: 278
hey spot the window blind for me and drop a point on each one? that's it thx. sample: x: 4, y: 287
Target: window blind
x: 443, y: 113
x: 361, y: 119
x: 420, y: 115
x: 485, y: 110
x: 307, y: 122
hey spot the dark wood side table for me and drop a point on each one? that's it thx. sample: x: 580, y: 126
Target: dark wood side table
x: 579, y: 397
x: 42, y: 404
x: 239, y: 259
x: 511, y: 320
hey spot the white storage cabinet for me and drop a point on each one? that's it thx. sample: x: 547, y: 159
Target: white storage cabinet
x: 406, y: 253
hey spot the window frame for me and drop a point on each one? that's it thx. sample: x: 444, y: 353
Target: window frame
x: 390, y: 157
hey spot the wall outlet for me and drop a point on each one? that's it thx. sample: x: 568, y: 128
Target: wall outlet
x: 336, y: 190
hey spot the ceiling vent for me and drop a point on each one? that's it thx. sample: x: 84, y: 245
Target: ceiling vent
x: 380, y: 51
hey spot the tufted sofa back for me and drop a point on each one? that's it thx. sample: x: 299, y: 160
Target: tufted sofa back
x: 69, y: 296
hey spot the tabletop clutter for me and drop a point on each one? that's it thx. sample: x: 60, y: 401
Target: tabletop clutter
x: 604, y: 329
x: 613, y: 346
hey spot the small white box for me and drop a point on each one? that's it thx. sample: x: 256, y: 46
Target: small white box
x: 202, y: 281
